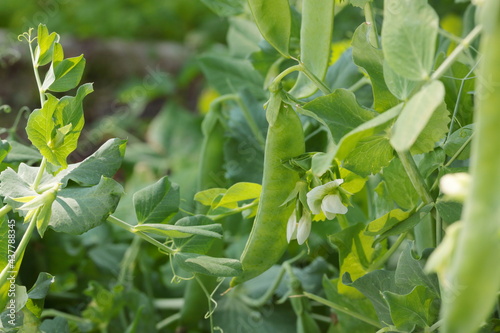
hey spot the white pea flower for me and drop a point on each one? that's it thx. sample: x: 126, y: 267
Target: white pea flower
x: 455, y: 185
x: 300, y: 230
x: 326, y: 198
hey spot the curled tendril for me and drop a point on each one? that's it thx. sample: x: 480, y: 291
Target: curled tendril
x: 26, y: 36
x: 5, y: 108
x: 177, y: 278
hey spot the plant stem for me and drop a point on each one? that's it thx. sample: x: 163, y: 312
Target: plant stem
x: 39, y: 175
x: 344, y: 310
x: 317, y: 82
x: 382, y: 260
x: 4, y: 210
x: 130, y: 228
x: 274, y: 86
x: 209, y: 297
x: 359, y: 84
x: 18, y: 254
x: 456, y: 52
x: 342, y: 221
x: 57, y: 313
x: 373, y: 26
x: 37, y: 76
x: 459, y: 151
x: 128, y: 262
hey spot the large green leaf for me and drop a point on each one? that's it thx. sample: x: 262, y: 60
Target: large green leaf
x: 202, y: 264
x: 55, y: 128
x: 64, y: 75
x: 399, y: 86
x: 243, y: 37
x: 79, y: 209
x: 416, y: 114
x: 157, y: 203
x: 371, y: 60
x: 339, y: 111
x: 409, y: 36
x: 22, y: 153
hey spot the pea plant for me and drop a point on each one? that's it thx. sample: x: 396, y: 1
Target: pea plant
x: 341, y: 189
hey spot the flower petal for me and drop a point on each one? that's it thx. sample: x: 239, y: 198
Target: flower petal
x: 332, y: 204
x: 304, y: 228
x: 291, y: 227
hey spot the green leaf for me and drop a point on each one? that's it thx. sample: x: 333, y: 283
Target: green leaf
x: 456, y: 140
x: 243, y: 37
x: 79, y: 209
x: 198, y: 243
x: 400, y: 188
x: 371, y: 60
x: 22, y: 153
x: 399, y: 86
x: 386, y: 222
x: 177, y: 231
x: 433, y: 132
x: 450, y: 211
x: 409, y: 36
x: 418, y: 308
x: 104, y: 162
x: 370, y: 155
x: 43, y: 52
x: 274, y: 20
x: 105, y: 304
x: 225, y: 7
x: 4, y: 149
x: 355, y: 255
x: 228, y: 75
x: 416, y: 114
x: 157, y: 203
x: 339, y: 111
x: 55, y: 114
x: 58, y: 324
x: 201, y: 264
x: 239, y: 192
x: 38, y: 292
x: 207, y: 197
x: 64, y: 75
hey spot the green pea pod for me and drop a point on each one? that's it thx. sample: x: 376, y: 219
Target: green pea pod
x: 474, y: 276
x: 267, y: 241
x: 274, y: 20
x: 316, y: 32
x: 211, y: 174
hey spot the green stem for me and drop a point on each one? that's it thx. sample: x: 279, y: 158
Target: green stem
x: 317, y: 82
x: 147, y: 238
x: 167, y: 321
x: 342, y: 221
x: 415, y: 177
x: 379, y: 263
x: 373, y: 26
x: 343, y: 309
x: 459, y: 151
x: 275, y: 85
x: 41, y: 93
x: 19, y: 251
x: 69, y: 317
x: 128, y: 261
x: 209, y: 297
x: 359, y: 84
x: 456, y: 53
x: 39, y: 175
x: 4, y: 210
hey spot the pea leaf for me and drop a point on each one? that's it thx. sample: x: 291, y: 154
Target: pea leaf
x: 199, y: 243
x: 417, y: 308
x: 398, y: 85
x: 37, y: 293
x: 79, y: 209
x: 4, y: 149
x: 64, y: 75
x: 409, y: 36
x: 399, y: 186
x: 433, y: 132
x: 43, y: 52
x: 450, y: 211
x: 22, y: 153
x: 207, y: 197
x: 240, y: 192
x: 386, y: 222
x: 157, y: 203
x: 370, y: 155
x: 371, y: 60
x: 243, y: 37
x: 55, y: 128
x: 415, y: 116
x: 339, y: 111
x: 58, y: 324
x: 178, y: 231
x: 201, y: 264
x: 456, y: 141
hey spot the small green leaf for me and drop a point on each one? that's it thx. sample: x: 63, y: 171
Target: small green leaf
x: 339, y: 111
x: 177, y: 231
x: 433, y: 132
x: 409, y: 37
x: 398, y: 183
x: 399, y: 86
x: 157, y: 203
x: 201, y: 264
x: 417, y: 308
x: 370, y: 155
x: 456, y: 141
x: 4, y: 149
x: 225, y: 7
x: 371, y: 59
x: 43, y: 53
x: 450, y: 211
x: 240, y: 192
x: 207, y: 197
x: 198, y: 243
x: 416, y: 114
x: 58, y: 324
x: 386, y: 222
x: 64, y: 75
